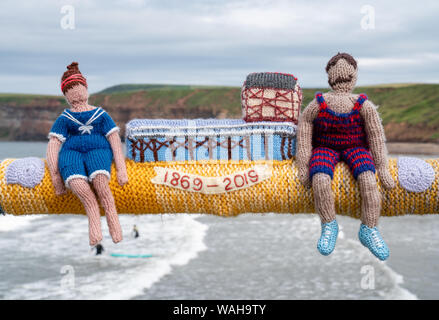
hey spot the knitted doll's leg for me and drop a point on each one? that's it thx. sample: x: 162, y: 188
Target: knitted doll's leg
x: 82, y: 190
x: 100, y: 184
x: 323, y: 197
x: 370, y: 198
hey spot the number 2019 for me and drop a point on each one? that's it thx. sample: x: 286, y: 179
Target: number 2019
x: 240, y: 180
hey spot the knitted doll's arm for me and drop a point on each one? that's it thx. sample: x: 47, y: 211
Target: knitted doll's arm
x: 119, y: 158
x: 52, y: 156
x: 375, y: 133
x: 304, y: 133
x: 377, y: 142
x: 304, y: 140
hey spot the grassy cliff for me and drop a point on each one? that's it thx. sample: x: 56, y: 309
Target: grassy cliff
x: 410, y: 112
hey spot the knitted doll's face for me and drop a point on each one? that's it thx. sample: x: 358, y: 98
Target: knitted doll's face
x: 77, y: 95
x: 342, y: 76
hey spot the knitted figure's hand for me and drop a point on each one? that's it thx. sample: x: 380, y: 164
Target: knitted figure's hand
x: 119, y: 158
x: 385, y: 177
x: 53, y: 149
x: 58, y: 184
x: 122, y: 177
x: 304, y: 176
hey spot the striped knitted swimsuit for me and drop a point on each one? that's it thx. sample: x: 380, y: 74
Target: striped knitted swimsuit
x: 340, y: 136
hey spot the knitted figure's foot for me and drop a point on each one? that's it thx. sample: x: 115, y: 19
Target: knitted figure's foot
x: 328, y: 238
x: 95, y: 237
x: 116, y: 236
x: 371, y: 239
x: 114, y: 227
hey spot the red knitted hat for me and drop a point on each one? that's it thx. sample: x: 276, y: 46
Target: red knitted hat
x: 72, y: 77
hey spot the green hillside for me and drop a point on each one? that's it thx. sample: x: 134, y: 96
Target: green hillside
x: 410, y: 103
x: 27, y: 99
x: 190, y: 101
x: 148, y: 87
x: 139, y: 87
x: 410, y: 112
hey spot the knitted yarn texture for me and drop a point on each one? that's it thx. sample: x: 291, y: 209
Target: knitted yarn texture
x: 82, y: 144
x: 72, y: 77
x: 416, y: 175
x: 322, y: 124
x: 281, y: 193
x: 271, y: 97
x: 28, y: 172
x: 209, y: 139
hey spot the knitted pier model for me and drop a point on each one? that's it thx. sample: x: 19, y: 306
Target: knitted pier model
x: 209, y: 139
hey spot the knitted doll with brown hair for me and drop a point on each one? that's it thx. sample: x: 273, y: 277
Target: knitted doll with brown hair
x: 84, y: 140
x: 341, y: 126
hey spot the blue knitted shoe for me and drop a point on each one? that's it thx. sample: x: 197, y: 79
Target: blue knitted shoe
x: 328, y: 237
x: 371, y: 239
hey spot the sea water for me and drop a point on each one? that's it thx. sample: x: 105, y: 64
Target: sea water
x: 266, y: 256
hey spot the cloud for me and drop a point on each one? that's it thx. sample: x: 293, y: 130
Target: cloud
x: 212, y: 42
x: 387, y: 62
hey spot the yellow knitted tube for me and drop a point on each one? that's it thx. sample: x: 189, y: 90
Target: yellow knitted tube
x: 281, y: 192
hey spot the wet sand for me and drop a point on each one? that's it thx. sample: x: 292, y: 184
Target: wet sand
x: 413, y: 148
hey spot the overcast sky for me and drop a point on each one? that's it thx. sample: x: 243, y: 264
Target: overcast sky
x: 213, y: 42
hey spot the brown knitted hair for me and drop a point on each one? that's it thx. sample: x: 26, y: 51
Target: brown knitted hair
x: 72, y: 69
x: 339, y: 56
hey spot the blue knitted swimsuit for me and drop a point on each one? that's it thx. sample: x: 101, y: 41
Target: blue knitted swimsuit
x: 86, y: 151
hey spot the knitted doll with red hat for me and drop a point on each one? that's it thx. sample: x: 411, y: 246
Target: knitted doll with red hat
x: 341, y: 126
x: 84, y: 140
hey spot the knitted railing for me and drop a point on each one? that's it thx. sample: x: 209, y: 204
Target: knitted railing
x: 239, y: 187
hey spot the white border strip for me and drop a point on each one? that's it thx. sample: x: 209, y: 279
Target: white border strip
x: 74, y: 176
x: 60, y: 137
x: 247, y: 124
x: 111, y: 131
x: 95, y: 173
x: 210, y: 133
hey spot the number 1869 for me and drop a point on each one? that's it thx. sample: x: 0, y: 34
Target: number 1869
x: 235, y: 181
